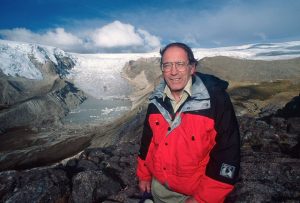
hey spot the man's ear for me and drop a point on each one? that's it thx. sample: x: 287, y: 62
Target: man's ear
x: 193, y: 69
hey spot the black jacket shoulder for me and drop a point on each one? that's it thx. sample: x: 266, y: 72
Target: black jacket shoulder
x: 212, y: 82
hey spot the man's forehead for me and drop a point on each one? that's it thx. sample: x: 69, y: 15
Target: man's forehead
x: 175, y: 52
x: 172, y: 48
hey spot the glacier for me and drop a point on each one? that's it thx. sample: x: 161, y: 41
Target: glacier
x: 99, y: 75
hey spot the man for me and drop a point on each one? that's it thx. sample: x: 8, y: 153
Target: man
x: 190, y: 147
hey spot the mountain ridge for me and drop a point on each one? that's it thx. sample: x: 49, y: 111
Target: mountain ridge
x: 246, y: 70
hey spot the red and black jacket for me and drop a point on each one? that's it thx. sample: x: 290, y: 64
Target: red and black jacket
x: 196, y: 150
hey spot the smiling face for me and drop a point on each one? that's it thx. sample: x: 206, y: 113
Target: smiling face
x: 175, y: 79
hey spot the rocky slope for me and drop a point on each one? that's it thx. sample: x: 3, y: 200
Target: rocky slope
x: 242, y: 70
x: 270, y: 167
x: 34, y: 95
x: 34, y: 90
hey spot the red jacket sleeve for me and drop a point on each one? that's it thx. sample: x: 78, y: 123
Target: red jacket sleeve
x: 142, y: 171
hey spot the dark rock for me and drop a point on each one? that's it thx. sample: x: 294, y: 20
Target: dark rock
x: 86, y: 165
x: 278, y: 123
x: 295, y: 151
x: 92, y: 186
x: 293, y: 125
x: 269, y: 110
x: 291, y: 109
x: 36, y: 185
x: 273, y: 179
x: 8, y: 181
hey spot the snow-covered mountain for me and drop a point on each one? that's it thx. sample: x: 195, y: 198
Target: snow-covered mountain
x: 15, y: 56
x: 267, y: 51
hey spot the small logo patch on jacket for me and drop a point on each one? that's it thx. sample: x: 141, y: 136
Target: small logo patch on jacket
x: 227, y: 170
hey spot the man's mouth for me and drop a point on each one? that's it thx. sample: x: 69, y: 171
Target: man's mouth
x: 175, y: 79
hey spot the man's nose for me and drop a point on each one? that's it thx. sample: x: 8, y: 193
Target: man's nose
x: 174, y: 69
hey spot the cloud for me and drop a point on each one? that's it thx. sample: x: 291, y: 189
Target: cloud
x: 62, y: 38
x: 198, y: 23
x: 57, y: 38
x: 116, y: 34
x: 113, y: 37
x: 150, y: 41
x: 227, y: 22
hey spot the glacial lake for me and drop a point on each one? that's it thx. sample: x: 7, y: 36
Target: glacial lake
x: 98, y: 111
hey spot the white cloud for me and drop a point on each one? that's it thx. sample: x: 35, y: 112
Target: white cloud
x: 150, y: 41
x: 113, y: 37
x: 62, y: 38
x: 116, y: 34
x: 57, y: 38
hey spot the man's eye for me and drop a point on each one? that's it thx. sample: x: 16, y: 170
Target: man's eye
x: 180, y: 64
x: 167, y: 65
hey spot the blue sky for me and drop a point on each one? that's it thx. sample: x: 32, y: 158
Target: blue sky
x: 140, y: 26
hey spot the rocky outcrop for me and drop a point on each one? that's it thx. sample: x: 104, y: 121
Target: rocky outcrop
x: 28, y: 102
x: 142, y: 74
x: 291, y: 109
x: 23, y: 148
x: 44, y: 109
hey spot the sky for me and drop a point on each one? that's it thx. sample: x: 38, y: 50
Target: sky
x: 112, y: 26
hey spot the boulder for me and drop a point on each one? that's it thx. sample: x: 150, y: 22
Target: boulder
x: 35, y: 185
